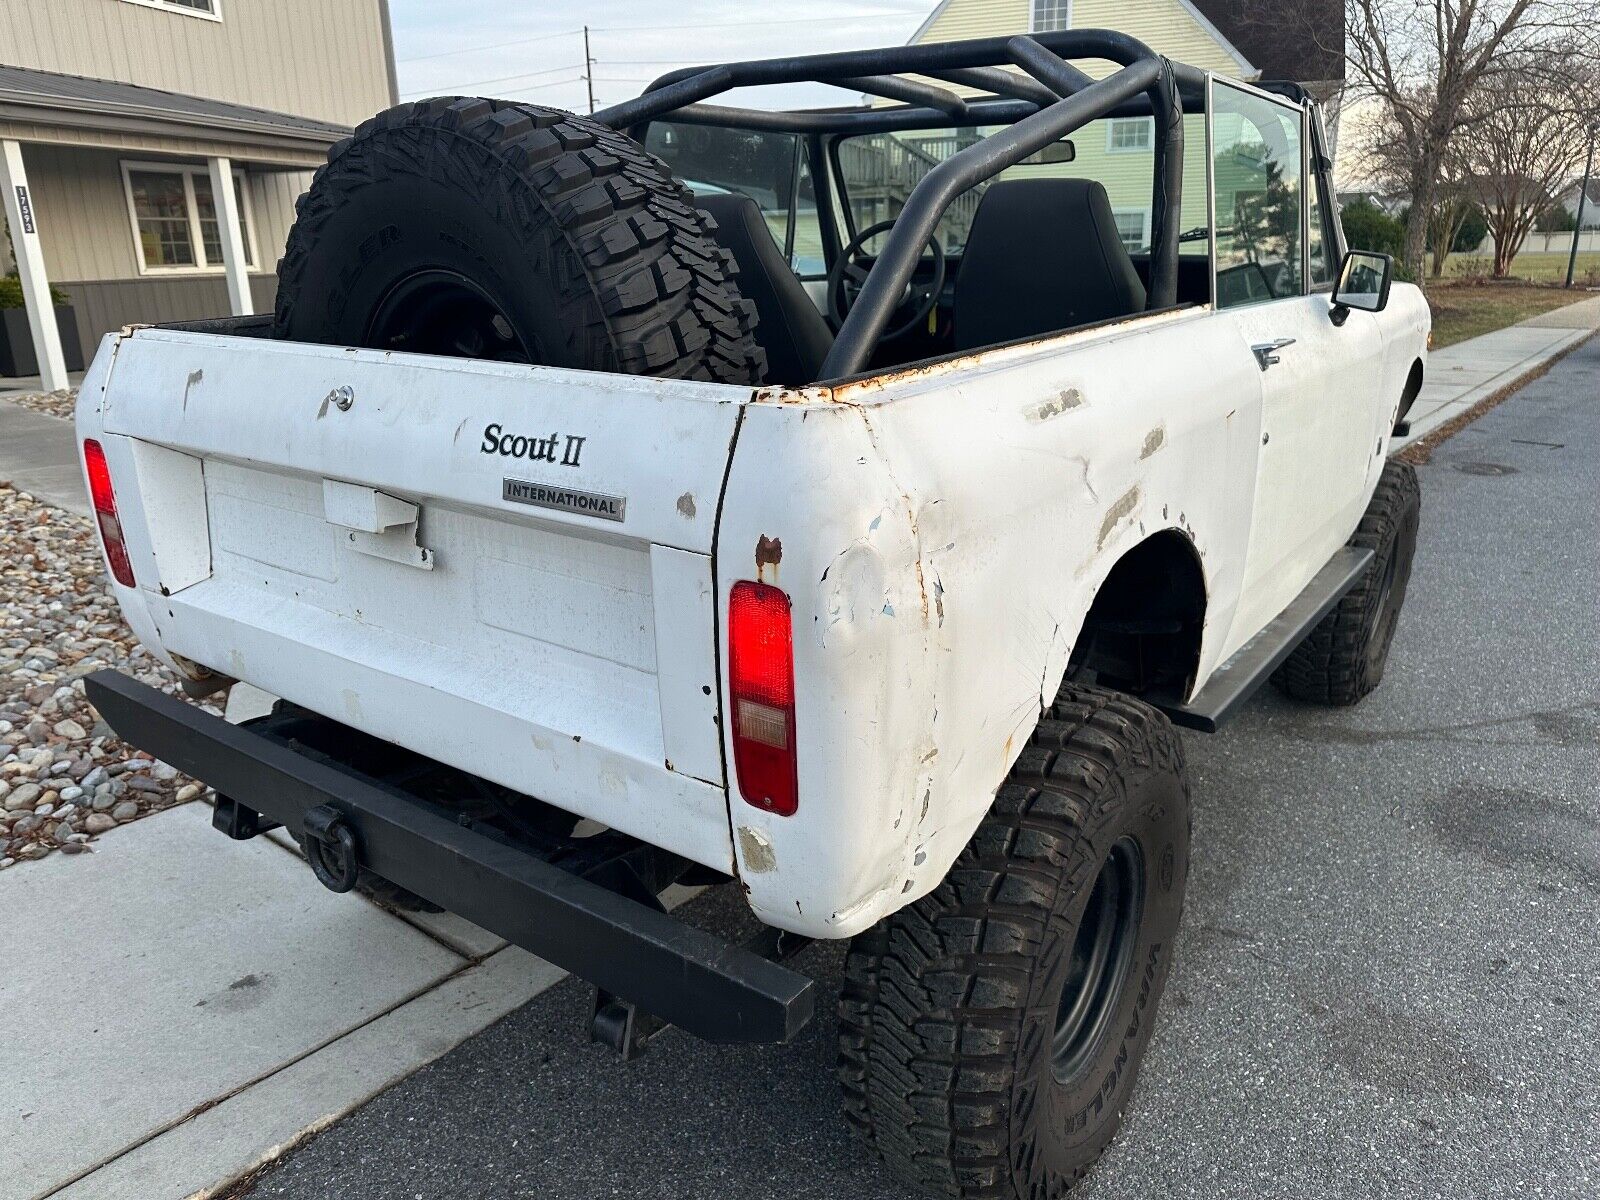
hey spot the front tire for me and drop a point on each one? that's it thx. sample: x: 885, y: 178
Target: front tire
x: 1343, y: 658
x: 991, y: 1031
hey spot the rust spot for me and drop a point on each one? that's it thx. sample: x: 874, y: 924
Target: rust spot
x: 686, y: 505
x: 1124, y: 506
x: 769, y: 553
x: 1153, y: 441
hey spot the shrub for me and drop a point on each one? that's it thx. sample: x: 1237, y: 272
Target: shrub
x: 1368, y: 227
x: 11, y: 293
x: 1472, y: 232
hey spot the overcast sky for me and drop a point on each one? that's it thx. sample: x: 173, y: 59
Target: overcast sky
x: 514, y: 49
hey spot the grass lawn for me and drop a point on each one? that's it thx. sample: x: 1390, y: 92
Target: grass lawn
x: 1542, y: 268
x: 1463, y: 310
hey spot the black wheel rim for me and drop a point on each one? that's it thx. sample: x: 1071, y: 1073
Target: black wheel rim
x: 441, y: 312
x: 1101, y: 961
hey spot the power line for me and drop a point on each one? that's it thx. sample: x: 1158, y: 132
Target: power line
x: 839, y: 20
x: 552, y: 83
x: 545, y: 37
x: 470, y: 83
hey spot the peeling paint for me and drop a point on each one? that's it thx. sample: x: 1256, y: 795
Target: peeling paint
x: 1122, y: 508
x: 755, y: 852
x: 1153, y: 441
x: 686, y: 505
x: 1064, y: 402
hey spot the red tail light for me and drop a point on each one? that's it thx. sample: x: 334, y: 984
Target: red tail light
x: 761, y: 671
x: 105, y: 512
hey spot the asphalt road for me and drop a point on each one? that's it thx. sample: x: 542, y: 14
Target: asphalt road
x: 1388, y: 981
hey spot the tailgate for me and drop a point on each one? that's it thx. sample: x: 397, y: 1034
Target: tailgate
x: 506, y: 568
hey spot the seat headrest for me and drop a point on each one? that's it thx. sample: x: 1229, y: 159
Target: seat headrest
x: 1042, y: 255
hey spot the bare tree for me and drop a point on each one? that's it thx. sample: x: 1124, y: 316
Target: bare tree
x: 1452, y: 206
x: 1527, y: 139
x: 1424, y: 60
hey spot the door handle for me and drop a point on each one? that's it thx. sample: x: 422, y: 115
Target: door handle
x: 1266, y: 352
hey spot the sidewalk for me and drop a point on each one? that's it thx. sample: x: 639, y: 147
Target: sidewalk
x: 39, y: 454
x: 208, y: 1004
x: 1460, y: 376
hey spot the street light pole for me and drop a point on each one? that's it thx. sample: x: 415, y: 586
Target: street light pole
x: 1583, y: 196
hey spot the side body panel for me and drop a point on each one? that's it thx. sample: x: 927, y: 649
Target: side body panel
x: 943, y: 532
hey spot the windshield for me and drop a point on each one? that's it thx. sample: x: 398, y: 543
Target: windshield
x: 771, y: 168
x: 878, y: 171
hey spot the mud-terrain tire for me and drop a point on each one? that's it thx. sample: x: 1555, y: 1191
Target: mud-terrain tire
x: 965, y: 1060
x: 490, y: 229
x: 1342, y: 659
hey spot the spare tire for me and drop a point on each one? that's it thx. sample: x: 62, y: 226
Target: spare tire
x: 490, y: 229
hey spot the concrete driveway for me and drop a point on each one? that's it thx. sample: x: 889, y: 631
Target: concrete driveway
x: 1388, y: 981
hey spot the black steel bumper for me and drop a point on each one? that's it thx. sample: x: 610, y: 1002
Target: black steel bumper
x: 712, y: 988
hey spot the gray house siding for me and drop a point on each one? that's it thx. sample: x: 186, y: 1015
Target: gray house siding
x: 103, y: 306
x: 326, y: 59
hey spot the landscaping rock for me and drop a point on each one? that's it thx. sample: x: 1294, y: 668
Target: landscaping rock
x: 60, y: 623
x: 25, y: 796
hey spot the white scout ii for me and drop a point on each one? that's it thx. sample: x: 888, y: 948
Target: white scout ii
x: 844, y: 503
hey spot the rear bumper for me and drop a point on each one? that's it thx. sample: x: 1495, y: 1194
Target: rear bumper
x: 689, y: 978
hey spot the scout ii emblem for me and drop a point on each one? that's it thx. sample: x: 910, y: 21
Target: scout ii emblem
x: 541, y: 495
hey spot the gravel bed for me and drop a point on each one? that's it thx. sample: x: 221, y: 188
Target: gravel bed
x: 52, y: 404
x: 65, y: 778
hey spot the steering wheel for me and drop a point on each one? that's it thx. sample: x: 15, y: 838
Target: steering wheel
x: 849, y: 275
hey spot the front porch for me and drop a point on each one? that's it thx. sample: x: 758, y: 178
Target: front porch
x: 141, y: 206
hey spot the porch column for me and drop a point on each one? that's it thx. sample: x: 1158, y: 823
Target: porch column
x: 228, y: 230
x: 23, y: 222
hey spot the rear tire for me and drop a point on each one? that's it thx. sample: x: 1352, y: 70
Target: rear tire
x: 990, y: 1032
x: 488, y: 229
x: 1343, y: 658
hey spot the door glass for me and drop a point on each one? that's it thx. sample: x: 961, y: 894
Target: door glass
x: 1259, y: 176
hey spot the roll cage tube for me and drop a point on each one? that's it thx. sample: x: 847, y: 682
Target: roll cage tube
x: 1034, y: 124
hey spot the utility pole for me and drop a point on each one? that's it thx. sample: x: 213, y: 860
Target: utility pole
x: 588, y: 69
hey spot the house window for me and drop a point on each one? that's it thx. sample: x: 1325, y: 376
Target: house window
x: 1051, y: 15
x: 1130, y: 135
x: 1133, y: 228
x: 174, y: 216
x: 209, y: 9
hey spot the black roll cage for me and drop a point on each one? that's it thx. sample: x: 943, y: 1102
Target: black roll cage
x: 1041, y: 107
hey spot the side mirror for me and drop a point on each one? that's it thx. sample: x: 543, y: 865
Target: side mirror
x: 1364, y: 279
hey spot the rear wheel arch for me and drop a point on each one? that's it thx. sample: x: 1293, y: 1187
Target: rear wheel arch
x: 1144, y: 629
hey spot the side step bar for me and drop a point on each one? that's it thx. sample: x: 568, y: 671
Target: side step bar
x: 628, y: 949
x: 1236, y: 680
